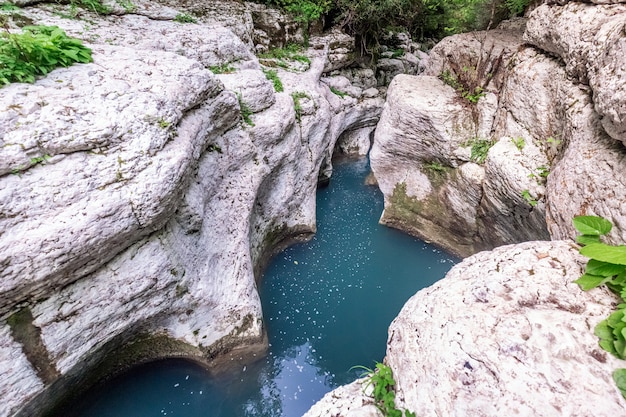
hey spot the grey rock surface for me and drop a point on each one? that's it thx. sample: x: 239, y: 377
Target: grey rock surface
x: 136, y: 203
x: 506, y: 332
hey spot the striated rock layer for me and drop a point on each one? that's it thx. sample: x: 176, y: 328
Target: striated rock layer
x: 140, y: 193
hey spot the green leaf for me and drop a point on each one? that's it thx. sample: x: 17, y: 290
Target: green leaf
x: 605, y: 253
x: 604, y: 269
x: 603, y: 330
x: 587, y: 239
x: 615, y: 318
x: 619, y: 376
x: 592, y: 225
x: 587, y: 281
x: 609, y: 347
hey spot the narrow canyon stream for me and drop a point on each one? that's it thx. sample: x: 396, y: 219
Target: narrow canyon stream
x: 327, y: 306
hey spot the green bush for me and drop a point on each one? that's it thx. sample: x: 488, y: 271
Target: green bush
x: 37, y: 51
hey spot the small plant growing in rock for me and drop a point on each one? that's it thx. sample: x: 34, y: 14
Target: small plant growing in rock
x: 33, y: 161
x: 291, y: 52
x: 128, y: 5
x: 529, y: 198
x: 338, y: 92
x: 184, y: 18
x: 272, y: 75
x: 383, y: 392
x: 396, y: 53
x: 245, y: 110
x: 519, y: 143
x: 606, y: 266
x: 8, y: 7
x: 480, y: 149
x: 224, y: 68
x: 296, y: 96
x: 435, y: 167
x: 95, y: 6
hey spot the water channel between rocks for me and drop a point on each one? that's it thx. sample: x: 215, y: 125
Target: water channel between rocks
x: 327, y: 306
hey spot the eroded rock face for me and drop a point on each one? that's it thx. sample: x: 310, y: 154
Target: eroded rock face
x: 507, y: 331
x: 424, y: 159
x: 141, y: 192
x: 504, y: 332
x: 540, y: 118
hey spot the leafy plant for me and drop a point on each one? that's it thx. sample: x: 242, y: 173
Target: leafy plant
x: 480, y: 148
x: 128, y: 5
x: 245, y: 110
x: 516, y: 7
x: 448, y: 78
x: 8, y: 7
x: 435, y: 167
x: 272, y: 75
x: 296, y: 96
x: 37, y: 51
x: 291, y: 52
x: 519, y: 143
x: 33, y: 161
x: 184, y: 18
x: 95, y: 6
x: 607, y: 265
x: 383, y: 390
x: 223, y: 68
x: 338, y: 92
x: 529, y: 198
x: 396, y: 53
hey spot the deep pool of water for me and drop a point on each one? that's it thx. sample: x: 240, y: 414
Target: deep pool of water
x: 327, y: 305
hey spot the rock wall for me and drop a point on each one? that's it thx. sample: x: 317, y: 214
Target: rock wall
x: 542, y: 116
x: 140, y: 193
x: 506, y: 331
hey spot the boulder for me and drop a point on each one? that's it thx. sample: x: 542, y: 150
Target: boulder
x: 589, y: 39
x: 504, y: 332
x: 139, y: 205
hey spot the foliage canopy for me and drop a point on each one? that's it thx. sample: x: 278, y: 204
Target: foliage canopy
x: 367, y: 20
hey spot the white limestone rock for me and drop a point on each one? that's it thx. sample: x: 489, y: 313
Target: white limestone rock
x: 351, y: 400
x: 123, y: 136
x: 506, y: 332
x: 255, y: 90
x: 355, y: 142
x: 142, y: 204
x: 589, y: 38
x: 422, y: 160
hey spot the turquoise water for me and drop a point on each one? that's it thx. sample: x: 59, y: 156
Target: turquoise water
x: 327, y: 305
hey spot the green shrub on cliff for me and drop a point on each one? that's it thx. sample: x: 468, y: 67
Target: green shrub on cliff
x: 37, y: 51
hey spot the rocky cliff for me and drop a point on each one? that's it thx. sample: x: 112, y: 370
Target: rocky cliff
x: 140, y: 193
x: 538, y: 143
x: 506, y: 332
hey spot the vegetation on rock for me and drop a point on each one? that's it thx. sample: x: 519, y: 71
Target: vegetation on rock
x: 37, y: 51
x: 607, y: 265
x: 367, y: 20
x: 382, y: 383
